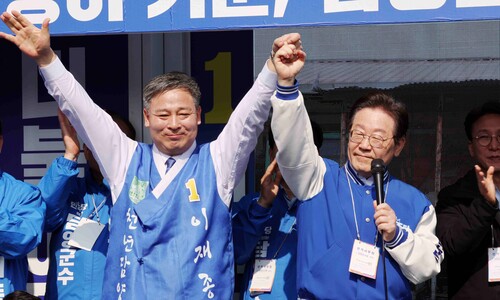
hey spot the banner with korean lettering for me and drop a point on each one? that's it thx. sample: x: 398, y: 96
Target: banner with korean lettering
x: 126, y: 16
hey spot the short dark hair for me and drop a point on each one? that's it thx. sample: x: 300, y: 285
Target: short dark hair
x: 395, y: 109
x: 171, y: 81
x: 20, y: 295
x: 491, y: 107
x: 317, y: 135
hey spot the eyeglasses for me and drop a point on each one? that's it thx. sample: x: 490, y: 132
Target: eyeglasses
x: 376, y: 141
x: 484, y: 139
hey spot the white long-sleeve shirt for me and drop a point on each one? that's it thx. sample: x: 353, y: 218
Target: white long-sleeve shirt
x: 113, y: 150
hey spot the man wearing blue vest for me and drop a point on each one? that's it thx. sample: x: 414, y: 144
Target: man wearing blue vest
x: 170, y: 234
x: 340, y: 226
x: 21, y: 225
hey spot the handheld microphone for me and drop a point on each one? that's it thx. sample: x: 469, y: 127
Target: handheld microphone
x: 378, y: 170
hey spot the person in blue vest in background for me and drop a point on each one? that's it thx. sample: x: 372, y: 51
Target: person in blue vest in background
x: 170, y: 232
x: 22, y: 214
x: 76, y: 268
x: 265, y: 234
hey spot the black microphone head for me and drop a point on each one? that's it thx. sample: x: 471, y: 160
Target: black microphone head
x: 378, y: 166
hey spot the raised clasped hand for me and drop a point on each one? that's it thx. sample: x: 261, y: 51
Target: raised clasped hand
x: 288, y: 58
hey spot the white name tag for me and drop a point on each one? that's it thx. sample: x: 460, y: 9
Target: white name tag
x: 364, y: 259
x: 86, y: 233
x: 263, y: 276
x: 493, y: 264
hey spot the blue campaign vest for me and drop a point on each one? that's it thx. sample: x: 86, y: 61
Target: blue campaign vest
x: 327, y: 232
x: 176, y: 247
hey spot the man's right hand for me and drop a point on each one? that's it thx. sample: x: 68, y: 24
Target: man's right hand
x: 486, y: 184
x: 269, y: 186
x: 288, y: 61
x: 31, y: 40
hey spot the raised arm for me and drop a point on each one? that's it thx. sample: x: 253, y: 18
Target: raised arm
x: 298, y: 159
x: 110, y: 146
x: 231, y: 150
x: 55, y: 185
x: 251, y: 213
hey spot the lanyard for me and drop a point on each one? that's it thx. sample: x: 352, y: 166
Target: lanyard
x: 96, y: 209
x: 492, y: 238
x: 284, y: 239
x: 497, y: 192
x: 348, y: 175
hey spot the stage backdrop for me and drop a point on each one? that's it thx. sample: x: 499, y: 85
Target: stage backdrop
x: 114, y: 16
x: 32, y: 137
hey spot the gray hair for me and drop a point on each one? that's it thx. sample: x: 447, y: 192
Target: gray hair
x: 171, y: 81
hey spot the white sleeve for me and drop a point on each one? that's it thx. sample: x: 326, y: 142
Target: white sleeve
x: 231, y: 150
x: 111, y: 148
x: 420, y: 256
x: 300, y: 164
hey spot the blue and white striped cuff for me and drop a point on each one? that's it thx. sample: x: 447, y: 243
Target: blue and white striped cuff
x: 287, y: 92
x: 399, y: 238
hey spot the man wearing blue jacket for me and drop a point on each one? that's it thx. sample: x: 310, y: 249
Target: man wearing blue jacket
x: 76, y: 271
x: 264, y: 231
x: 21, y: 223
x: 340, y: 226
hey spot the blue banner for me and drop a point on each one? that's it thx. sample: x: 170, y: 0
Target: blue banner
x: 127, y: 16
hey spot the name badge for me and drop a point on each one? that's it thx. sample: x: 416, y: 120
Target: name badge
x: 364, y: 259
x: 86, y: 233
x: 493, y: 264
x: 263, y: 276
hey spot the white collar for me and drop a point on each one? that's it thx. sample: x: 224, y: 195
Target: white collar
x: 367, y: 181
x: 160, y: 158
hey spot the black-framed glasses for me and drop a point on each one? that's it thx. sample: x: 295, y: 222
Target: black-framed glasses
x: 485, y: 139
x: 376, y: 141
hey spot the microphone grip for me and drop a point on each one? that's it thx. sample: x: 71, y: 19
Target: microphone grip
x: 379, y: 187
